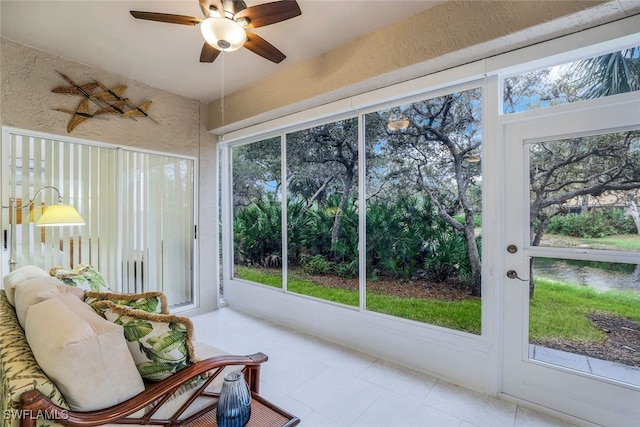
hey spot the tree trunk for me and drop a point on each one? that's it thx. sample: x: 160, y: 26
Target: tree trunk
x: 474, y: 260
x: 633, y: 211
x: 337, y: 221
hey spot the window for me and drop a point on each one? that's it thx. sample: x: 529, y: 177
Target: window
x: 257, y: 212
x: 604, y: 75
x: 424, y: 210
x: 322, y: 211
x: 422, y: 182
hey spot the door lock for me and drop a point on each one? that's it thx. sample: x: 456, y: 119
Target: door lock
x: 512, y: 249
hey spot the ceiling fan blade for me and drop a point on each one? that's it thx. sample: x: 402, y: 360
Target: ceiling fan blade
x: 269, y: 13
x: 205, y: 5
x: 208, y: 53
x: 166, y: 17
x: 260, y: 46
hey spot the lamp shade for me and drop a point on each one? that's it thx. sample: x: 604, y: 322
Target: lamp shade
x: 223, y: 34
x: 58, y: 215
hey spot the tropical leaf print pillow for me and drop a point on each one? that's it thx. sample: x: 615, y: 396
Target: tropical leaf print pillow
x: 161, y: 344
x: 82, y: 276
x: 151, y: 302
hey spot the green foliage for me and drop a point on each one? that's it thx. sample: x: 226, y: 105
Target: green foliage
x: 448, y: 256
x: 397, y: 236
x: 315, y: 265
x: 257, y: 230
x: 403, y: 238
x: 592, y: 224
x: 609, y: 74
x: 347, y: 270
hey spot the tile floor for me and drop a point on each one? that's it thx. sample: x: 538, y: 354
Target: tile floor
x: 326, y: 385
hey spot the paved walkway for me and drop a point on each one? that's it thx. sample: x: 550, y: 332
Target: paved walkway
x: 603, y: 368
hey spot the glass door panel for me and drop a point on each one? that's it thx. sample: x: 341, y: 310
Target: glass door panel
x: 585, y: 314
x: 572, y: 299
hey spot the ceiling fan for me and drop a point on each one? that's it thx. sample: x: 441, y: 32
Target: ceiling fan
x: 225, y: 25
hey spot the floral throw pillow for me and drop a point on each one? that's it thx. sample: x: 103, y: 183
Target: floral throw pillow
x: 82, y: 276
x: 151, y: 302
x: 161, y: 344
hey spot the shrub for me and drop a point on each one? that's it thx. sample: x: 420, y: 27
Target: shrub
x: 347, y: 270
x: 315, y: 265
x: 448, y: 256
x: 592, y: 224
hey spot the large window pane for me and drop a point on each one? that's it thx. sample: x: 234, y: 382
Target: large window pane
x: 424, y: 196
x: 610, y: 74
x: 322, y: 214
x: 257, y: 212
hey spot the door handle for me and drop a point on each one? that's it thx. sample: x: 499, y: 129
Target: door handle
x: 512, y: 274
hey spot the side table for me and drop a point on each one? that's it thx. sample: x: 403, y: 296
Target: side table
x: 263, y: 414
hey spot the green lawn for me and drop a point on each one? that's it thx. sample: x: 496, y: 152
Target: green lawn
x: 558, y: 310
x: 624, y: 242
x: 621, y: 242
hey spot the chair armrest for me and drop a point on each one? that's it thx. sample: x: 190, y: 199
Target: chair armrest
x: 34, y: 405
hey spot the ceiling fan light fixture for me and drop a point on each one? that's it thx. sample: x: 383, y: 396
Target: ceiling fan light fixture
x: 223, y: 34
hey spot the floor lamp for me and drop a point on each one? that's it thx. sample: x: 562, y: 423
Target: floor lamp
x: 53, y: 216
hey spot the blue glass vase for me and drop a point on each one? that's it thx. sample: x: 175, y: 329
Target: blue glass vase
x: 234, y: 403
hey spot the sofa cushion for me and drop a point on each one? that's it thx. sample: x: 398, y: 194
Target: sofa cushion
x: 83, y: 276
x: 85, y: 355
x: 161, y: 344
x: 33, y: 291
x: 38, y: 289
x: 152, y: 302
x: 20, y: 275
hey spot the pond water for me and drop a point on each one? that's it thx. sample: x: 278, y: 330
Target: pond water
x: 596, y: 274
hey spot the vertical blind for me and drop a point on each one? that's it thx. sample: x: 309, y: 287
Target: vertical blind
x: 138, y: 208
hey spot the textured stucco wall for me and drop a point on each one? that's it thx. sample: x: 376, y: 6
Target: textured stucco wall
x: 27, y: 77
x: 405, y: 50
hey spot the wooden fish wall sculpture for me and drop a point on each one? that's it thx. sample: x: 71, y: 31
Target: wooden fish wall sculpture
x: 105, y: 100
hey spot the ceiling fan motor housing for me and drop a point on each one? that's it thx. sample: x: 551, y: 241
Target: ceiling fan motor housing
x: 233, y: 6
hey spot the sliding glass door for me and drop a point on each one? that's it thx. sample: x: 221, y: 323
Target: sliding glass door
x: 138, y: 208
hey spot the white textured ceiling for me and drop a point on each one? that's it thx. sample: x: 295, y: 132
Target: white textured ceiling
x: 104, y: 35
